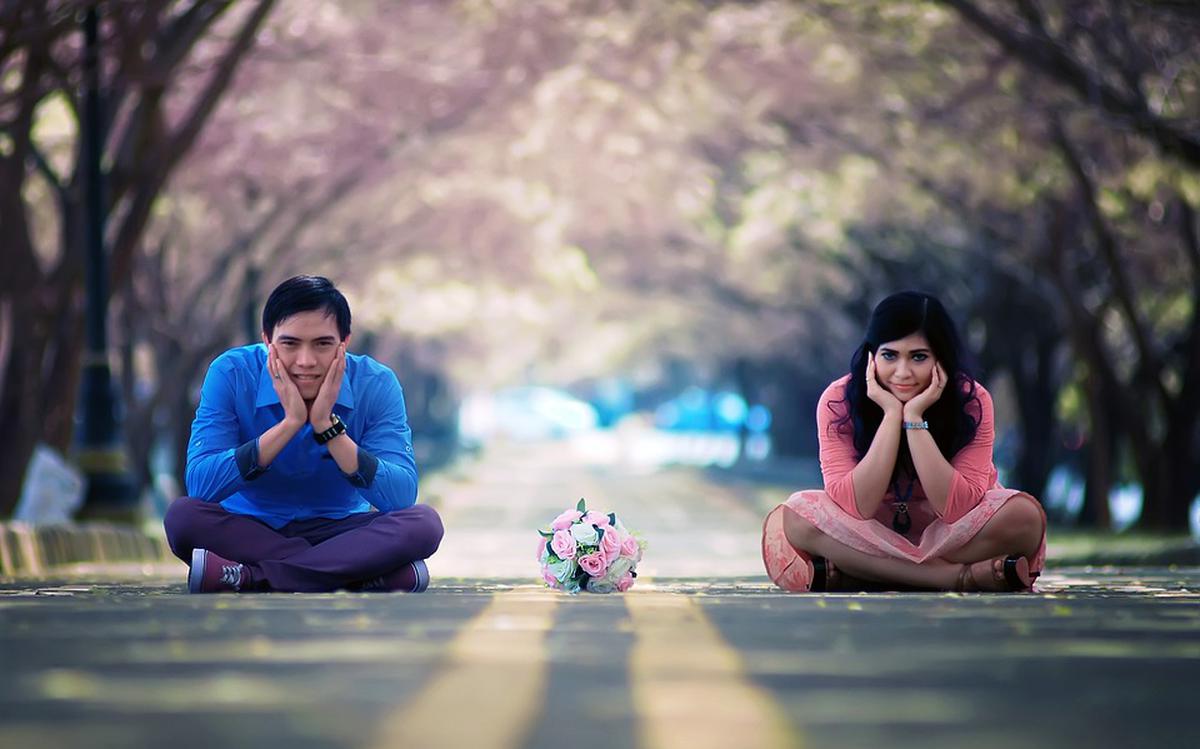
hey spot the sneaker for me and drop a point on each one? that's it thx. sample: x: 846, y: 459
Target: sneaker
x: 213, y: 574
x: 409, y: 578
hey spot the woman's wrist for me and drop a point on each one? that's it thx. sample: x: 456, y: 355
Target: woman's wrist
x: 894, y: 414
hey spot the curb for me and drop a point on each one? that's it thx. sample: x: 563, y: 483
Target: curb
x: 33, y: 550
x: 1180, y: 556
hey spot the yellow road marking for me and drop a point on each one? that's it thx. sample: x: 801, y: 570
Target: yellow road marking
x: 689, y: 685
x: 490, y: 690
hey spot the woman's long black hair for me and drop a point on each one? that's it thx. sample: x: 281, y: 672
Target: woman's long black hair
x: 950, y: 421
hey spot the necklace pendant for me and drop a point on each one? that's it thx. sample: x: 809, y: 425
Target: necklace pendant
x: 901, y: 522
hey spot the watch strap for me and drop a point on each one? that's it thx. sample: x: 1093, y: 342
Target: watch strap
x: 336, y: 427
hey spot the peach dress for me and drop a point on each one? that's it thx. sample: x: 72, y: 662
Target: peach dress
x: 975, y: 496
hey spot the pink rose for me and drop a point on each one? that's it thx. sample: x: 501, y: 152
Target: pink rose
x: 629, y: 545
x: 549, y: 578
x: 610, y: 545
x: 625, y: 583
x: 541, y: 548
x: 593, y: 564
x: 596, y: 518
x: 563, y: 544
x: 564, y: 520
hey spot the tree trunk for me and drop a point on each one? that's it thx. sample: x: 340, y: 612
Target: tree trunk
x: 17, y: 412
x: 1157, y: 492
x: 182, y: 409
x: 1101, y: 451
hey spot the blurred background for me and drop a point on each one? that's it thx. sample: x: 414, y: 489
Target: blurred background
x: 648, y: 233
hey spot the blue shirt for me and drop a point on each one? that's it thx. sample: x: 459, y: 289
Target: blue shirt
x: 238, y: 403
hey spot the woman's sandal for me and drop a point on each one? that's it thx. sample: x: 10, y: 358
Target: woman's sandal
x: 996, y: 575
x: 826, y: 577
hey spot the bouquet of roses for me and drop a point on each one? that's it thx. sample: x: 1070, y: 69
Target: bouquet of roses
x: 588, y: 550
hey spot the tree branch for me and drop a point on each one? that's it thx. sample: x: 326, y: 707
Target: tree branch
x: 47, y: 171
x: 204, y: 105
x: 1050, y: 58
x: 1191, y: 241
x: 1189, y: 390
x: 175, y: 146
x: 1151, y: 363
x: 141, y: 137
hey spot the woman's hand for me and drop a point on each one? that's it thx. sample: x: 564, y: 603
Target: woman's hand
x: 878, y: 393
x: 915, y: 409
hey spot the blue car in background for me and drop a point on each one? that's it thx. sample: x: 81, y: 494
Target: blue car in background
x: 525, y: 413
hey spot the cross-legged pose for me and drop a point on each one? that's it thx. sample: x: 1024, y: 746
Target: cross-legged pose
x: 300, y: 471
x: 911, y: 498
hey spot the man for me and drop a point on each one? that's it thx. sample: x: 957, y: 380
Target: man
x: 300, y: 468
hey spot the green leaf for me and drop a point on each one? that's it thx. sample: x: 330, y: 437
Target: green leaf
x: 545, y: 533
x: 612, y: 519
x: 582, y: 506
x: 599, y: 536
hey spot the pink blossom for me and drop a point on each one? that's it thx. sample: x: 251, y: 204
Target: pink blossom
x: 564, y: 520
x: 625, y: 583
x: 563, y: 544
x: 541, y: 548
x: 610, y: 545
x: 593, y: 564
x: 549, y: 578
x: 629, y: 545
x: 596, y: 518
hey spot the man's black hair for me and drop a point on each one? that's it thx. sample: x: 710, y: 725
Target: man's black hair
x: 304, y: 294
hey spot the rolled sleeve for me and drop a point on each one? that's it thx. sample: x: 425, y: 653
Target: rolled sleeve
x: 246, y: 457
x: 368, y: 465
x: 387, y: 472
x: 217, y: 461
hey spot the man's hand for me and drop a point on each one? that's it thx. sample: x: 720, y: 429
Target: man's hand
x: 322, y: 406
x: 294, y: 411
x: 878, y: 393
x: 915, y: 409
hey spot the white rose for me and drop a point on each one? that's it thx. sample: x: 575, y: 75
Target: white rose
x: 585, y: 534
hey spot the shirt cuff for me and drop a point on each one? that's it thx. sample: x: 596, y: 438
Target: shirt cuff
x: 247, y: 460
x: 368, y: 464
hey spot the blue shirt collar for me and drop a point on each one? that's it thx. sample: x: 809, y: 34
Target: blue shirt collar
x: 268, y: 397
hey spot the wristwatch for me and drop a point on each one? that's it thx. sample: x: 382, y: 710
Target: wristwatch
x: 336, y: 427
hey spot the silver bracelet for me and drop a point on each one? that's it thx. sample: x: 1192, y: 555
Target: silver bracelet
x: 916, y: 425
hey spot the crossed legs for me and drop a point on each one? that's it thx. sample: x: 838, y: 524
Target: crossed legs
x: 1016, y: 528
x: 311, y: 555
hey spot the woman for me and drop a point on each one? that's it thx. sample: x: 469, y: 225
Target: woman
x: 911, y: 498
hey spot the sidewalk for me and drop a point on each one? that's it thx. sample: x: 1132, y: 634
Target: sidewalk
x: 46, y: 550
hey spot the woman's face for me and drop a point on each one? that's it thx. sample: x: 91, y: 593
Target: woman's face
x: 905, y: 366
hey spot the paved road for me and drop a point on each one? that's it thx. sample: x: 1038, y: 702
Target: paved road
x: 702, y: 653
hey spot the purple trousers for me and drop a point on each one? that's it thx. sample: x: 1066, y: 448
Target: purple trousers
x: 314, y: 555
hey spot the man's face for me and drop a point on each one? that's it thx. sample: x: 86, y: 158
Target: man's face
x: 306, y: 343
